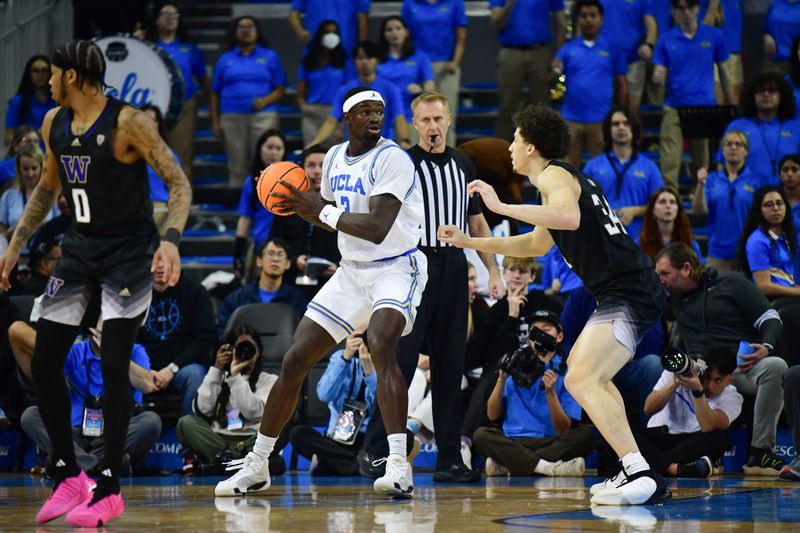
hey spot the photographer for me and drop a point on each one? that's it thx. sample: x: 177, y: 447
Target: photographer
x: 713, y: 308
x: 690, y: 414
x: 539, y: 417
x: 229, y: 404
x: 348, y: 385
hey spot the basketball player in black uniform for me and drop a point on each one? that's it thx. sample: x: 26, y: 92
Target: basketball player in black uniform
x: 97, y: 149
x: 575, y: 215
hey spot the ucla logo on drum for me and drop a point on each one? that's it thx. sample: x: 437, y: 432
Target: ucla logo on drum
x: 137, y: 96
x: 139, y: 72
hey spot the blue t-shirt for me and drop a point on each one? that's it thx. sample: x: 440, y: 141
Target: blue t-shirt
x: 190, y: 60
x: 344, y: 12
x: 590, y: 72
x: 415, y: 68
x: 391, y: 96
x: 529, y: 21
x: 783, y: 23
x: 559, y: 269
x: 239, y: 79
x: 732, y: 22
x: 251, y: 208
x: 8, y: 169
x: 640, y: 179
x: 623, y: 24
x: 728, y: 204
x: 12, y: 205
x: 690, y: 64
x: 83, y: 370
x: 527, y: 413
x: 662, y: 11
x: 34, y: 115
x: 795, y: 90
x: 323, y: 83
x: 433, y: 25
x: 766, y: 252
x: 769, y: 141
x: 158, y: 189
x: 266, y: 296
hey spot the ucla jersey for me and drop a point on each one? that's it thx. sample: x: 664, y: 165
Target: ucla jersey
x: 351, y: 181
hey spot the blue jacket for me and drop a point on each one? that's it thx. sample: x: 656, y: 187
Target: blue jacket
x: 249, y: 294
x: 341, y: 380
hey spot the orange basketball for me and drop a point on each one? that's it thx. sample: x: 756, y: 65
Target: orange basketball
x: 269, y: 180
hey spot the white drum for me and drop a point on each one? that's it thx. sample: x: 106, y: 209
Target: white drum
x: 139, y: 72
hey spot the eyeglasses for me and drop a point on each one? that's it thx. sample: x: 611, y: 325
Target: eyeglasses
x: 767, y: 90
x: 770, y: 204
x: 245, y: 27
x: 734, y: 144
x: 276, y: 255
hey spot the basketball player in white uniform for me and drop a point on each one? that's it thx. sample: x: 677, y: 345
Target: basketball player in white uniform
x: 370, y: 196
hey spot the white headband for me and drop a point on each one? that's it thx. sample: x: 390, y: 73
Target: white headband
x: 363, y: 96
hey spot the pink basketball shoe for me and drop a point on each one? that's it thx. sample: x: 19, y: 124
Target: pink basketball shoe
x: 96, y: 514
x: 67, y: 495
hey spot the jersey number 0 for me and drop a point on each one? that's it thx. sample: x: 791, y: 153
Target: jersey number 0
x: 81, y: 201
x: 614, y: 226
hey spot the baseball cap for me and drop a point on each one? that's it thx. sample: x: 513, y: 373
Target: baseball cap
x: 546, y: 315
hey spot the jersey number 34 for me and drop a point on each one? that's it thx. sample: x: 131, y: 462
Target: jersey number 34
x: 614, y: 226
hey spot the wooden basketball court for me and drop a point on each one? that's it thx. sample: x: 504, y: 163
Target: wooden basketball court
x: 299, y: 503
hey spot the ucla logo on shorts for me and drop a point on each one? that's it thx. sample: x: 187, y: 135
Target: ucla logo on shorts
x: 53, y: 285
x: 786, y: 133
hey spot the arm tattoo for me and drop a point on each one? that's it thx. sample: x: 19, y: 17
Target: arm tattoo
x: 40, y: 204
x: 155, y: 151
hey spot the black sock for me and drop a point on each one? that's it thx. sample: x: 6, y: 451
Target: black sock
x: 53, y: 342
x: 118, y: 337
x: 106, y: 486
x: 64, y: 470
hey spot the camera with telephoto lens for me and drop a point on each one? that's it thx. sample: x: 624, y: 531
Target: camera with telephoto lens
x: 524, y: 365
x: 245, y: 350
x: 677, y: 362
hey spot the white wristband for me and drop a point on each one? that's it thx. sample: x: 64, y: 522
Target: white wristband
x: 330, y: 215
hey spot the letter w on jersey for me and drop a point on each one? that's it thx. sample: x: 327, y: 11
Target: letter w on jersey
x: 77, y: 167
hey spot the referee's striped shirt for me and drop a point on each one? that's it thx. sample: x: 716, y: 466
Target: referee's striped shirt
x: 443, y: 179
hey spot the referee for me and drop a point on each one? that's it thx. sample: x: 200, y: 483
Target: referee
x: 440, y: 329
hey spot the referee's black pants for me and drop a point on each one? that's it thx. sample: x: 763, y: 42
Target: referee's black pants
x: 440, y: 330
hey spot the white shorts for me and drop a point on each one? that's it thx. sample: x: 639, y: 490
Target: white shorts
x: 358, y: 289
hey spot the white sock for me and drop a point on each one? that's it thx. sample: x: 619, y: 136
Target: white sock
x: 397, y: 444
x: 264, y: 445
x: 544, y: 468
x: 634, y: 462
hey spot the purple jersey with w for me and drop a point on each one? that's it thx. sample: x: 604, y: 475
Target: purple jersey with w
x: 106, y: 197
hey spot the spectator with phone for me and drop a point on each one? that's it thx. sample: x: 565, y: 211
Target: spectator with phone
x: 349, y: 385
x: 229, y: 405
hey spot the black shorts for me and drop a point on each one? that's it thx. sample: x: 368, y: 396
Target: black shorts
x: 633, y: 303
x: 116, y: 267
